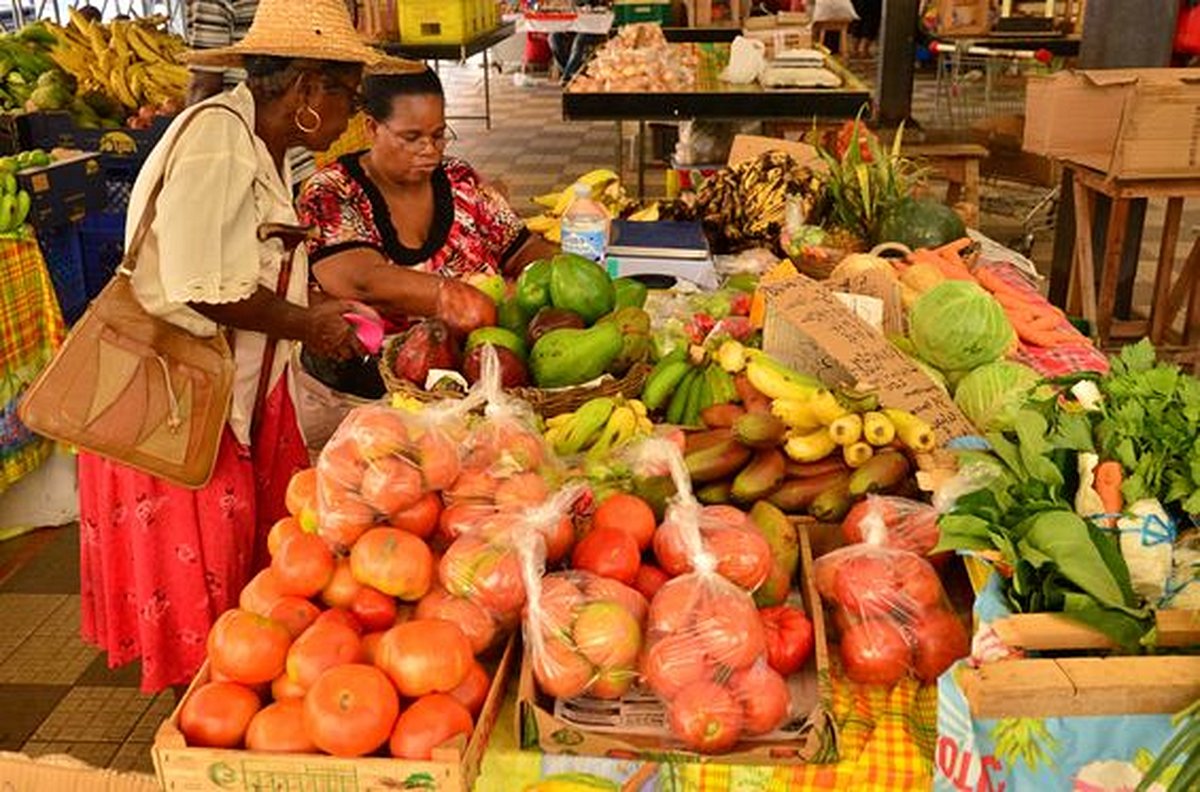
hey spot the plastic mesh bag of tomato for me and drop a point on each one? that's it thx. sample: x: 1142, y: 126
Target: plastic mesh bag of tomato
x: 895, y: 522
x: 387, y: 466
x: 480, y: 585
x: 583, y: 631
x: 891, y: 611
x: 705, y: 653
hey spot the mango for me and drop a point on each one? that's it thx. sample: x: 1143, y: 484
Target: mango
x: 780, y: 533
x: 759, y: 430
x: 759, y: 478
x: 635, y: 332
x: 566, y: 357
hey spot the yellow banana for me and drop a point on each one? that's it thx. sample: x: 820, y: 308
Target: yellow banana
x: 548, y: 200
x: 912, y: 431
x: 622, y: 426
x: 857, y: 454
x: 648, y: 215
x: 559, y: 420
x: 598, y: 177
x: 878, y: 430
x: 796, y: 414
x: 120, y: 88
x: 776, y: 380
x: 731, y: 356
x: 541, y: 223
x: 847, y: 430
x: 811, y: 447
x: 586, y: 426
x: 826, y: 408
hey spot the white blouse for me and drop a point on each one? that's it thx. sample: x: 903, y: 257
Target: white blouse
x: 221, y: 185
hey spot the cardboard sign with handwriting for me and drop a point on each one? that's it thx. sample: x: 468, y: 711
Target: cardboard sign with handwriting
x: 808, y: 328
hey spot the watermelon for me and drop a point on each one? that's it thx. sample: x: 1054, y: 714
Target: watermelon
x: 921, y: 223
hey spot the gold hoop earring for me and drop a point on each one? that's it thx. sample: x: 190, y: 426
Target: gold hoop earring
x: 308, y: 130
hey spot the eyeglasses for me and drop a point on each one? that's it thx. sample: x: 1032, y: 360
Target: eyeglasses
x: 417, y: 142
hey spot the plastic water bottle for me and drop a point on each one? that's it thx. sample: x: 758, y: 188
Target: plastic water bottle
x: 585, y: 226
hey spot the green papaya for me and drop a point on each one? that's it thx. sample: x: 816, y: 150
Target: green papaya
x: 567, y: 357
x: 497, y: 336
x: 581, y: 286
x: 510, y: 316
x: 629, y: 293
x: 635, y: 337
x: 533, y: 287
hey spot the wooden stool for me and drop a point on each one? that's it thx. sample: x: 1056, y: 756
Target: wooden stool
x: 957, y: 163
x: 1169, y: 297
x: 839, y: 26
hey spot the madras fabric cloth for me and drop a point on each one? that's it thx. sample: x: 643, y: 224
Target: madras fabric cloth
x: 1057, y: 361
x: 31, y: 329
x: 886, y: 740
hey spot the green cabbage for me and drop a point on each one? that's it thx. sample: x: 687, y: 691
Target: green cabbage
x: 957, y: 326
x: 992, y: 394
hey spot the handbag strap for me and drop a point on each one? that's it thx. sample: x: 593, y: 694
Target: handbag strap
x: 129, y: 262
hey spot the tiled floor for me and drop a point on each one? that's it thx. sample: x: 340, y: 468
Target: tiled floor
x: 57, y: 694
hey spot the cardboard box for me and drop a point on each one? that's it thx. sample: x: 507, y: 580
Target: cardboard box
x: 964, y: 17
x: 748, y: 147
x: 19, y: 772
x: 65, y: 191
x: 1128, y: 123
x: 454, y: 766
x: 810, y: 329
x: 543, y: 726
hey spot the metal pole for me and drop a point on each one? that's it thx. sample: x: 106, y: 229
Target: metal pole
x: 897, y: 59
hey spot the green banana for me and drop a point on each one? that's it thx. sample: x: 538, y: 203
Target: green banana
x: 677, y: 410
x: 10, y: 184
x: 585, y: 426
x: 699, y: 398
x: 22, y: 209
x: 721, y: 383
x: 7, y: 205
x: 664, y: 382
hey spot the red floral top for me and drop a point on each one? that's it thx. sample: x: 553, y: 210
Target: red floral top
x: 474, y: 229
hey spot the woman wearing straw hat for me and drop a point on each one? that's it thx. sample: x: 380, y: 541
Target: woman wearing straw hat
x: 159, y: 563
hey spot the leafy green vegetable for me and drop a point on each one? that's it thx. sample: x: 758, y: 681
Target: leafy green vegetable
x: 992, y: 394
x: 1062, y: 538
x: 1151, y: 425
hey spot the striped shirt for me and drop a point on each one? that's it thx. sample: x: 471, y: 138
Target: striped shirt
x: 221, y: 23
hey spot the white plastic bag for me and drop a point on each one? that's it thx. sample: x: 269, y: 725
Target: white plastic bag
x: 747, y: 59
x: 834, y: 11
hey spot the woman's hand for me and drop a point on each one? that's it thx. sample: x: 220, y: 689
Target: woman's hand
x: 328, y: 334
x: 464, y: 307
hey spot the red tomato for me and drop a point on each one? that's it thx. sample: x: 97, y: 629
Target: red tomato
x: 939, y: 640
x: 303, y: 565
x: 561, y: 672
x: 279, y: 728
x: 248, y: 648
x: 217, y: 714
x: 875, y: 652
x: 865, y: 585
x: 322, y: 646
x: 730, y: 630
x: 425, y: 656
x: 920, y: 588
x: 393, y: 561
x: 342, y: 587
x: 373, y: 609
x: 472, y: 693
x: 559, y: 540
x: 670, y: 550
x: 609, y: 553
x: 429, y: 722
x: 789, y: 636
x: 295, y: 614
x: 764, y: 697
x: 421, y: 518
x: 339, y: 616
x: 649, y: 580
x: 706, y: 717
x: 350, y: 710
x: 627, y: 513
x: 674, y: 662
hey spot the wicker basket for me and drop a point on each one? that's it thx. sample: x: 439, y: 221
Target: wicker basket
x: 546, y: 403
x: 818, y: 261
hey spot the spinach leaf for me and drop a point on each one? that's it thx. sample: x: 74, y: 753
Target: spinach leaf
x: 963, y: 532
x: 1064, y: 537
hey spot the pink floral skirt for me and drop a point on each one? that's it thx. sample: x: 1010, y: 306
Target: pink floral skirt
x: 159, y: 563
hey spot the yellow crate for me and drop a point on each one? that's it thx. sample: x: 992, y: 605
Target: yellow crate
x: 438, y: 21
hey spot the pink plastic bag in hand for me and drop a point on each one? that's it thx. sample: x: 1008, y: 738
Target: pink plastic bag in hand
x: 705, y: 641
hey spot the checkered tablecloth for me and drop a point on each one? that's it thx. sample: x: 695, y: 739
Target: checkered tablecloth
x: 31, y: 328
x: 1061, y: 360
x: 886, y: 741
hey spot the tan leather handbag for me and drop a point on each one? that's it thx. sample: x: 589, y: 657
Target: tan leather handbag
x: 134, y: 388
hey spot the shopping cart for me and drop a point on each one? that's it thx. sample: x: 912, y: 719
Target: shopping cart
x: 977, y: 82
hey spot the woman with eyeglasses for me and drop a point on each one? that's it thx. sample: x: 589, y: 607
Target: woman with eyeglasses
x: 399, y: 225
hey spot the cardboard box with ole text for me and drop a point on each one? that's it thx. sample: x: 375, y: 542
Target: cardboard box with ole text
x: 1127, y: 123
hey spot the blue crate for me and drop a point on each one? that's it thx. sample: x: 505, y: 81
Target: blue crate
x: 102, y: 246
x: 61, y: 250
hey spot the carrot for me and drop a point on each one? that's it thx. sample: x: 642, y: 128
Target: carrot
x: 995, y: 284
x: 954, y: 248
x: 1108, y: 486
x: 1044, y: 338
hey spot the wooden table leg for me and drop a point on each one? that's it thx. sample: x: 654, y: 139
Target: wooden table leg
x: 1084, y: 280
x: 1191, y: 330
x: 1160, y: 316
x: 1114, y: 247
x: 971, y: 181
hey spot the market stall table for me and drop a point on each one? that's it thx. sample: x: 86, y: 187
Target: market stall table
x: 713, y: 99
x: 461, y: 52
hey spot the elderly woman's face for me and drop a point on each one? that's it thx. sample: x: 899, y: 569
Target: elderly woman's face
x: 408, y: 145
x: 335, y: 98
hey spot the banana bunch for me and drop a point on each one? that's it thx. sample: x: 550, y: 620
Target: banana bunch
x: 606, y: 188
x: 848, y: 422
x: 24, y: 61
x: 134, y: 62
x: 685, y: 383
x: 599, y: 426
x: 747, y: 202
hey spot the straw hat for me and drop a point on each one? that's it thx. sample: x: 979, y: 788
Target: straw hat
x: 316, y: 29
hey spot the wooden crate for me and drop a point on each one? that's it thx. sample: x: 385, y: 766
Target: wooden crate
x: 453, y: 768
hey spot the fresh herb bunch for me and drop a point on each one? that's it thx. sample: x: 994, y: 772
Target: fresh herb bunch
x: 1150, y: 423
x: 865, y: 180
